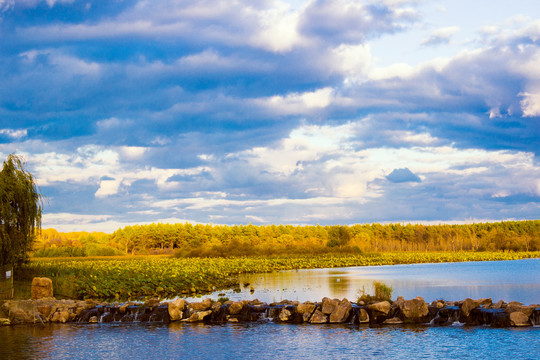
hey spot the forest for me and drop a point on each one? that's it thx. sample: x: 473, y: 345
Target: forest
x: 198, y: 240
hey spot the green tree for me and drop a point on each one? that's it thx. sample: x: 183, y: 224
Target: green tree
x: 20, y: 211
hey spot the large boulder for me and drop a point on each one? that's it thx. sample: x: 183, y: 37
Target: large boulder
x: 236, y: 307
x: 469, y: 304
x: 527, y: 310
x: 306, y: 310
x: 41, y: 288
x: 199, y: 316
x: 285, y: 315
x: 328, y: 305
x: 517, y: 318
x: 380, y: 308
x: 363, y: 316
x: 414, y: 310
x: 201, y: 306
x: 378, y: 311
x: 342, y: 312
x: 176, y: 309
x: 318, y: 318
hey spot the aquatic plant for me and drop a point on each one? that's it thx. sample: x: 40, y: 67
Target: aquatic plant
x: 165, y: 277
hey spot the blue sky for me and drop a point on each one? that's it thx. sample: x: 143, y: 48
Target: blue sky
x: 299, y: 112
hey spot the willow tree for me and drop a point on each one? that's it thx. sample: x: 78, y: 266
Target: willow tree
x: 20, y: 211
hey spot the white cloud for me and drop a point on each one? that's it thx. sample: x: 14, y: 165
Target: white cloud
x: 277, y: 28
x: 298, y: 103
x: 65, y: 63
x: 351, y: 60
x: 15, y: 134
x: 107, y: 188
x: 6, y: 5
x: 440, y: 36
x: 530, y: 104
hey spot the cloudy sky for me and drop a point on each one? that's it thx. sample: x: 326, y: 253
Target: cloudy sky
x: 291, y: 112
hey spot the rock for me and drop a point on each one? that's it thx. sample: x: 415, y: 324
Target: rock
x: 176, y: 309
x: 318, y: 318
x: 285, y: 315
x: 363, y: 316
x: 201, y: 306
x: 4, y: 321
x: 414, y: 310
x: 44, y: 310
x: 393, y: 321
x: 93, y: 319
x: 399, y: 302
x: 306, y: 310
x: 236, y: 307
x: 151, y: 303
x: 60, y: 316
x: 41, y: 288
x: 378, y: 311
x: 380, y: 308
x: 19, y: 316
x: 199, y: 316
x: 307, y: 307
x: 527, y: 310
x: 341, y: 312
x: 468, y: 305
x: 517, y: 318
x: 498, y: 305
x: 328, y: 305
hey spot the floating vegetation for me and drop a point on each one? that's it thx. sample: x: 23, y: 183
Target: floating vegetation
x: 123, y: 278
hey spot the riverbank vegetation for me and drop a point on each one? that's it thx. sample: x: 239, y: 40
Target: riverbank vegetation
x: 139, y: 277
x: 188, y: 240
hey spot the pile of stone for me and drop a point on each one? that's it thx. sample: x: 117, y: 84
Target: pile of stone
x: 327, y: 311
x: 43, y: 308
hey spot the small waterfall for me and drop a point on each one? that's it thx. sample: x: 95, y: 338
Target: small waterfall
x: 535, y: 317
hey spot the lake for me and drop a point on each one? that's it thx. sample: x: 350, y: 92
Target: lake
x: 516, y: 280
x: 509, y: 280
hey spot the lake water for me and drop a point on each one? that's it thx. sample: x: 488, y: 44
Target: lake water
x: 517, y: 280
x: 510, y: 280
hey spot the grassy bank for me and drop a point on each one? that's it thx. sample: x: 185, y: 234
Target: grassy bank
x: 133, y: 278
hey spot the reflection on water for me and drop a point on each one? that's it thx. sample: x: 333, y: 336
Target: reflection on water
x: 517, y: 280
x: 264, y: 341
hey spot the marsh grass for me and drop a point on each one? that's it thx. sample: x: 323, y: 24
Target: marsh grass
x: 381, y: 291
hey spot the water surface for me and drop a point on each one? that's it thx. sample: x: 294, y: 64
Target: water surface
x: 265, y: 341
x: 515, y: 280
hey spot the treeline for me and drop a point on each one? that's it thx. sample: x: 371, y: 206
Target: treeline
x: 220, y: 240
x: 51, y: 243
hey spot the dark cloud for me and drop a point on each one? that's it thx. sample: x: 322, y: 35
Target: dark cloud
x: 353, y: 22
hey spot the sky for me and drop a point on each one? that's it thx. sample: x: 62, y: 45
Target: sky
x: 273, y: 112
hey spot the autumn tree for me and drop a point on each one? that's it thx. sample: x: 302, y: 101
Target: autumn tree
x: 20, y: 211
